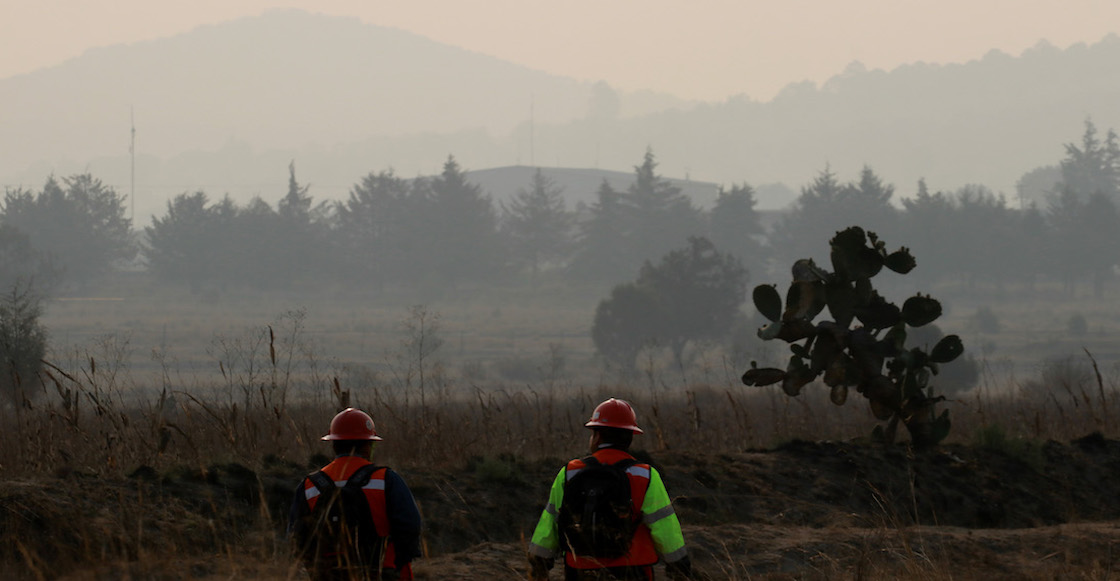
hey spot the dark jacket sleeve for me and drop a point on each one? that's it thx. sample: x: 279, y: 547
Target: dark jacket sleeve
x: 297, y: 516
x: 404, y: 519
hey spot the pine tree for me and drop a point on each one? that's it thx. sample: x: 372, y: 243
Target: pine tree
x: 537, y: 223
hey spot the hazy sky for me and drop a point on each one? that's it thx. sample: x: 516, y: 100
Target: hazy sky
x: 702, y: 49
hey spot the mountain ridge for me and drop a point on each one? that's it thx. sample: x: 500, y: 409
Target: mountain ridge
x: 268, y: 79
x: 986, y: 121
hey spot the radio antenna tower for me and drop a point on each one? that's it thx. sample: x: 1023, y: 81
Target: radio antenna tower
x: 132, y: 168
x: 532, y: 126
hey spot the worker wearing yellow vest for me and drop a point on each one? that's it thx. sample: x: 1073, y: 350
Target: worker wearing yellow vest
x: 381, y: 532
x: 654, y: 535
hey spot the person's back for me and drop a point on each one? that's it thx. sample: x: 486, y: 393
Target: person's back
x: 599, y: 516
x: 338, y: 537
x: 352, y: 520
x: 653, y: 529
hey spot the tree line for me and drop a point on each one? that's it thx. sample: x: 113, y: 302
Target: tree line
x: 434, y: 232
x: 443, y: 231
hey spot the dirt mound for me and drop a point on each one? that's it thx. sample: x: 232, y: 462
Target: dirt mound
x: 802, y: 510
x: 841, y: 483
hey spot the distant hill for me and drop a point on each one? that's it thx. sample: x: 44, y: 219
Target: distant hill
x: 286, y: 81
x: 987, y: 122
x: 582, y: 185
x: 225, y: 108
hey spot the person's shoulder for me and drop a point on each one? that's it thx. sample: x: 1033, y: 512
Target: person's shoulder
x: 390, y: 476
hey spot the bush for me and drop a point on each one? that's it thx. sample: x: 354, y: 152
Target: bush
x: 500, y: 469
x: 23, y: 343
x: 693, y: 294
x: 994, y: 437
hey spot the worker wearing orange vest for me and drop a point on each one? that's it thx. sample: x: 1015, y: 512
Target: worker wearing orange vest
x: 391, y: 505
x: 657, y: 536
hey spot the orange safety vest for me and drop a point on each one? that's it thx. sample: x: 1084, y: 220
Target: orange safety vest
x: 642, y: 551
x: 340, y: 470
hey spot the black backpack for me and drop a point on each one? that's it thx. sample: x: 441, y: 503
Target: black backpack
x: 597, y: 514
x: 339, y: 533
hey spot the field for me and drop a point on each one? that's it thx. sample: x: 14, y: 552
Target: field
x: 172, y: 427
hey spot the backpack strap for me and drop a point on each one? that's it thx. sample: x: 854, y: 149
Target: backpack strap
x: 321, y: 480
x: 361, y: 476
x: 625, y: 464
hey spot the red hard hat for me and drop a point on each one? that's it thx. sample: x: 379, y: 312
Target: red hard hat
x: 614, y: 413
x: 352, y: 424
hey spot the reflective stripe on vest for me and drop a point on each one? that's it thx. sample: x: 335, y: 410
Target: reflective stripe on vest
x: 639, y: 470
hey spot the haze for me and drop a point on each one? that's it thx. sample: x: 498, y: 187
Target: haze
x: 224, y: 96
x: 705, y: 50
x: 346, y: 118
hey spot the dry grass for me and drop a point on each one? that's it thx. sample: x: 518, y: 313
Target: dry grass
x: 176, y: 390
x: 511, y: 378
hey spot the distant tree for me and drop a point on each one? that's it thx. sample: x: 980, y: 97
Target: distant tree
x: 257, y: 247
x: 803, y: 231
x: 826, y: 206
x: 692, y: 294
x: 930, y: 221
x: 80, y: 224
x: 373, y: 228
x: 1063, y: 215
x: 625, y: 323
x: 301, y: 236
x: 1100, y: 251
x: 21, y: 263
x: 1032, y: 240
x: 460, y: 228
x: 970, y: 233
x: 23, y: 343
x: 1038, y: 185
x: 1084, y: 244
x: 735, y: 227
x: 984, y: 235
x: 537, y: 223
x: 869, y: 201
x: 659, y: 216
x: 1092, y: 168
x: 601, y: 253
x: 295, y: 207
x: 226, y: 220
x: 188, y: 244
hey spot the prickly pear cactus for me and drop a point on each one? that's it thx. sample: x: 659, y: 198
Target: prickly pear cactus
x: 863, y: 346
